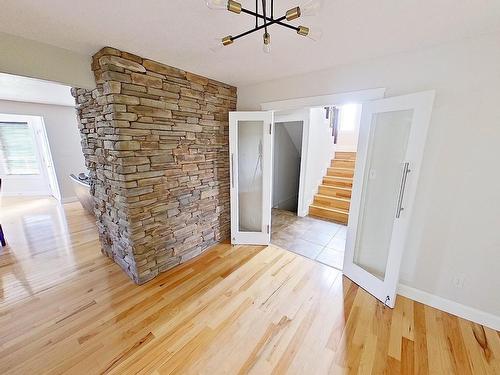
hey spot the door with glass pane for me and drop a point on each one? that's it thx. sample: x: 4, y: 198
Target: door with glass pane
x: 390, y: 150
x: 250, y: 149
x: 21, y: 165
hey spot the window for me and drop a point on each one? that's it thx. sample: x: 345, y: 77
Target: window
x: 18, y: 153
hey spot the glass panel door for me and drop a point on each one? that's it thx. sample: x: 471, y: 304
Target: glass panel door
x: 251, y: 154
x: 250, y: 178
x: 384, y: 165
x: 391, y: 144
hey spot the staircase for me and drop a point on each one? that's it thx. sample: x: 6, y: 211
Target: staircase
x: 334, y: 194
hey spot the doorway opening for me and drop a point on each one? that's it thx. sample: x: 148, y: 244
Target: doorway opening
x: 392, y: 134
x: 313, y: 168
x: 287, y: 156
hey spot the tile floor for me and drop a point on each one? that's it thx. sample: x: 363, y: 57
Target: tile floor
x: 321, y: 240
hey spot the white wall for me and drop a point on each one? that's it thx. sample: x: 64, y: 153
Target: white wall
x: 63, y: 135
x: 348, y: 133
x: 29, y: 58
x: 286, y: 164
x: 320, y: 150
x: 456, y: 223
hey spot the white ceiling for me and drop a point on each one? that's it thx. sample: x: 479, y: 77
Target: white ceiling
x: 23, y: 89
x: 180, y: 32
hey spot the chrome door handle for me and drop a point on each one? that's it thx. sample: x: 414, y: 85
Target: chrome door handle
x: 232, y: 171
x: 402, y: 187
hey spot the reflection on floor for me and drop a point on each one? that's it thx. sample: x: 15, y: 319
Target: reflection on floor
x: 323, y: 241
x: 68, y: 309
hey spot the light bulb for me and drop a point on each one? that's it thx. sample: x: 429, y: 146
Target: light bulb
x: 267, y: 43
x: 216, y: 45
x: 311, y: 8
x: 314, y: 34
x: 217, y: 4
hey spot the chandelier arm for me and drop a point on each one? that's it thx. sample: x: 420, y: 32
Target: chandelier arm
x: 256, y: 13
x: 277, y: 21
x: 264, y: 13
x: 258, y: 28
x: 272, y: 9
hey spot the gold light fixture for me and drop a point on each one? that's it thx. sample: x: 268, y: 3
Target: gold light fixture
x: 234, y: 6
x: 292, y: 14
x: 302, y: 30
x: 227, y: 40
x: 263, y: 21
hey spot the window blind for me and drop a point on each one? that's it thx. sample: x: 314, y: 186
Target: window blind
x: 18, y: 154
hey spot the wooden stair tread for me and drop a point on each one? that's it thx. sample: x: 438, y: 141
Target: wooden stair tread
x: 336, y: 187
x: 335, y: 191
x: 340, y: 170
x: 335, y: 214
x: 338, y: 178
x: 339, y: 210
x: 332, y: 198
x: 343, y: 169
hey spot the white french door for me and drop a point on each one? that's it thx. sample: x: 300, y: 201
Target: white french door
x: 250, y: 148
x: 390, y: 149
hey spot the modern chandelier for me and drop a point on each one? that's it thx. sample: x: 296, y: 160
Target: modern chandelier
x: 263, y: 20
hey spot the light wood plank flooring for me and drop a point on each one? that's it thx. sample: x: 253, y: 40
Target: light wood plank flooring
x: 65, y: 308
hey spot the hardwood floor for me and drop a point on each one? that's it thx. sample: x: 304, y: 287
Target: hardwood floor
x: 65, y: 308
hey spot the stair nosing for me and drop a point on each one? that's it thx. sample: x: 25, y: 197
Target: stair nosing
x: 336, y: 187
x: 342, y: 178
x: 338, y: 210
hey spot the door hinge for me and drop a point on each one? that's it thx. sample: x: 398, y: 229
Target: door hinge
x: 387, y: 299
x: 270, y: 128
x: 268, y: 228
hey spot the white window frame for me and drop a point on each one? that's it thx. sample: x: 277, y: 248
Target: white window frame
x: 47, y: 177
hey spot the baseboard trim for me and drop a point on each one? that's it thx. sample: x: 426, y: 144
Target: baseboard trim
x: 454, y: 308
x: 69, y: 200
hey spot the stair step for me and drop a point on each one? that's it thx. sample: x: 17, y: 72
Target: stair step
x: 340, y: 172
x: 335, y: 214
x: 343, y: 163
x: 337, y: 181
x: 335, y: 191
x: 345, y: 155
x: 331, y: 202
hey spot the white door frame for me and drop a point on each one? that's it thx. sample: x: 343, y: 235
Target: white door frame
x: 421, y: 103
x: 324, y: 100
x: 297, y: 109
x: 264, y: 236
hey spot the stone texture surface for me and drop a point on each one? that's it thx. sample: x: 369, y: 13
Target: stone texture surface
x: 155, y: 139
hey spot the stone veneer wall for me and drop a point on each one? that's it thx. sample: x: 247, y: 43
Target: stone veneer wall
x: 155, y: 139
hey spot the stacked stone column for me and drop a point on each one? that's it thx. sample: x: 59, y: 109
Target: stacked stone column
x: 155, y: 140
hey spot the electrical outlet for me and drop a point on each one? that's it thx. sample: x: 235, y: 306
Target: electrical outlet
x: 459, y: 281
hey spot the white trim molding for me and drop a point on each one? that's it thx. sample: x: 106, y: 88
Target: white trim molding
x: 325, y: 100
x: 451, y: 307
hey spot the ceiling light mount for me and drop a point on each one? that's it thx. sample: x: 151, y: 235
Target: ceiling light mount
x: 263, y: 21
